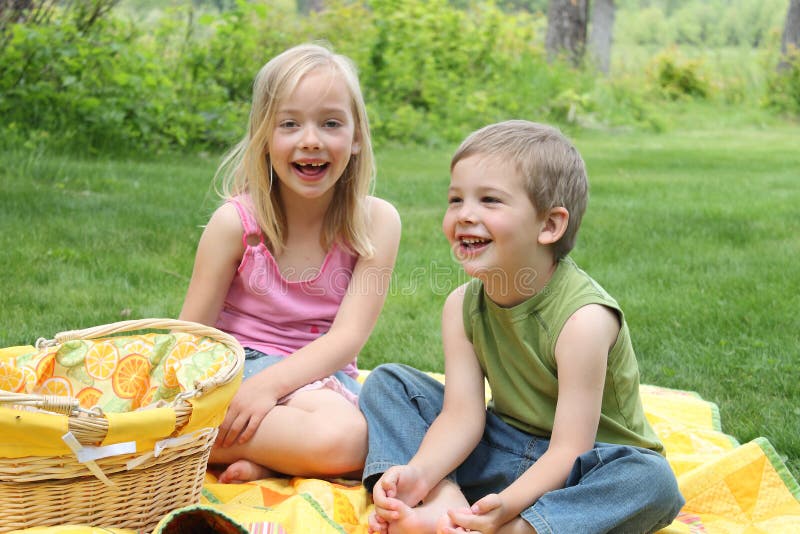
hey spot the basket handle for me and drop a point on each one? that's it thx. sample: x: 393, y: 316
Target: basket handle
x: 51, y: 403
x: 143, y: 324
x: 174, y: 325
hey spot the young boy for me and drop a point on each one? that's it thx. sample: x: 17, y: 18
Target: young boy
x: 564, y: 445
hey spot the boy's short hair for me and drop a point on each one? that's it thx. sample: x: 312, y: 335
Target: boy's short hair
x: 553, y: 170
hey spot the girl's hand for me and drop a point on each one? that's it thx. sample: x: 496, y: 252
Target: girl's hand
x: 247, y: 409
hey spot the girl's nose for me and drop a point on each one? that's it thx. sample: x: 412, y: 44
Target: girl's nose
x: 310, y: 139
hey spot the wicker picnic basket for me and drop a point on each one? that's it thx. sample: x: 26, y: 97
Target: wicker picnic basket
x: 111, y: 426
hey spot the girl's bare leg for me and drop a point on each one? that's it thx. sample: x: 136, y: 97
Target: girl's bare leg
x: 316, y: 434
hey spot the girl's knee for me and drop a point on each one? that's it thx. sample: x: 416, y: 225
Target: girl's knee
x: 342, y: 448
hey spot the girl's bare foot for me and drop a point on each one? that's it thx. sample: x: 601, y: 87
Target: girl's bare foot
x: 244, y: 471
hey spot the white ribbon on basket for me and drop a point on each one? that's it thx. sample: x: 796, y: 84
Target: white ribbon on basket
x: 87, y: 454
x: 167, y: 443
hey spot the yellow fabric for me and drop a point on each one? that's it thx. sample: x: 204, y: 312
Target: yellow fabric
x: 729, y: 488
x: 209, y: 410
x: 31, y: 434
x: 74, y: 529
x: 145, y: 427
x: 12, y: 352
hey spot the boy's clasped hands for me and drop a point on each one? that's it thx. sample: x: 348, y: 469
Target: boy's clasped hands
x: 404, y: 484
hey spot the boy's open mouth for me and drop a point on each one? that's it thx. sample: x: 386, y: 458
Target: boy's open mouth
x: 473, y: 243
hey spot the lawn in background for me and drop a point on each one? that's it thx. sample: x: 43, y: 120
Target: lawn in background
x: 694, y: 231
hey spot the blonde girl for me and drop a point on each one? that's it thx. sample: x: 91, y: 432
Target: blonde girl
x: 296, y: 264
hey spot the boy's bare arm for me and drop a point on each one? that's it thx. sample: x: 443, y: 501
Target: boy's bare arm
x: 458, y: 428
x: 581, y: 356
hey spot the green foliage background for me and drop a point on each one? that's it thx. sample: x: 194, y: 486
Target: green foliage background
x: 152, y: 78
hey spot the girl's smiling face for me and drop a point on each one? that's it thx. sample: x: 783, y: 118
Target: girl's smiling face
x: 314, y: 135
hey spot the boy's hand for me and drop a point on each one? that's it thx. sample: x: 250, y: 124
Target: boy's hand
x: 485, y: 516
x: 402, y: 482
x: 377, y: 525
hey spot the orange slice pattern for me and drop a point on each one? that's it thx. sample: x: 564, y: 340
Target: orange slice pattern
x: 101, y: 360
x: 11, y: 378
x: 180, y: 352
x: 45, y: 368
x: 56, y: 386
x: 30, y: 378
x: 131, y: 379
x: 89, y: 396
x: 139, y: 346
x: 148, y: 397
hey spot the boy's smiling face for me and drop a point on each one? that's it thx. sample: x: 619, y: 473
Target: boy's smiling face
x: 491, y: 223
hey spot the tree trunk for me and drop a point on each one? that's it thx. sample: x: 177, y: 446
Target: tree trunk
x: 791, y: 33
x: 307, y: 6
x: 602, y: 33
x: 566, y: 29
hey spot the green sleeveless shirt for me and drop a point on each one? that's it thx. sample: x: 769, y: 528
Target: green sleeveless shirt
x: 516, y: 350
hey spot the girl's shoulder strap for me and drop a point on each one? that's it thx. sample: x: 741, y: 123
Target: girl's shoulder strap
x: 243, y: 207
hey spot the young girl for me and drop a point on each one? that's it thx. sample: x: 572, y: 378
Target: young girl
x: 296, y: 264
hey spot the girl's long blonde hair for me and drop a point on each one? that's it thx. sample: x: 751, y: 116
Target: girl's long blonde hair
x: 246, y: 168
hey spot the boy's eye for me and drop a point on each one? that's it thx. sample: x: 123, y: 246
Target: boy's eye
x: 453, y: 200
x: 490, y: 200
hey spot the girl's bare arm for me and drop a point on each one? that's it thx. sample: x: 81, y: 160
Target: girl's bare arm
x: 219, y: 253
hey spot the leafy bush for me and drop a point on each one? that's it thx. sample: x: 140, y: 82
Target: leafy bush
x: 677, y: 77
x: 431, y: 70
x: 783, y: 92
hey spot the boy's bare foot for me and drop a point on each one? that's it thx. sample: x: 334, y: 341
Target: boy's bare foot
x: 418, y: 520
x: 244, y: 471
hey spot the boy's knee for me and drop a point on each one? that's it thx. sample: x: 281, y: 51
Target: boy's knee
x: 380, y: 381
x: 658, y: 482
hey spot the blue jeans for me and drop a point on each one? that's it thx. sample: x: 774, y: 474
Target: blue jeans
x: 612, y: 488
x: 255, y: 362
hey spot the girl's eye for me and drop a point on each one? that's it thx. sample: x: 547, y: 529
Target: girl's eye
x: 490, y: 200
x: 288, y: 124
x: 453, y: 200
x: 332, y: 124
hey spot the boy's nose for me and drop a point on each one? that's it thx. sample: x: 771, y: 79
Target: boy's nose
x: 466, y: 214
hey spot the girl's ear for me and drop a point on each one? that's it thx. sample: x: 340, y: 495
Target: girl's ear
x: 554, y: 225
x: 355, y: 148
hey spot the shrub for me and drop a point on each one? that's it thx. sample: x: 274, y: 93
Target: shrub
x: 783, y: 86
x: 677, y: 77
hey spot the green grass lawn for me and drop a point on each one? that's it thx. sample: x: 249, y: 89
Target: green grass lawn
x: 694, y: 231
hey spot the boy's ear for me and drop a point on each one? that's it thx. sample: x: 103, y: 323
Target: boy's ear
x: 554, y: 225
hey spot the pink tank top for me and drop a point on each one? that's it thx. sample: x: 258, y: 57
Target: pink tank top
x: 268, y: 313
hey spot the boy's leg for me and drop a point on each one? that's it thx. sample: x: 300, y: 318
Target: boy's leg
x: 611, y: 488
x: 399, y: 403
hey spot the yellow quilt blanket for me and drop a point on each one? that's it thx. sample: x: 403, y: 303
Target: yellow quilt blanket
x: 729, y: 488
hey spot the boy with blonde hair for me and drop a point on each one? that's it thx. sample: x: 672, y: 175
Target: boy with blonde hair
x: 564, y: 445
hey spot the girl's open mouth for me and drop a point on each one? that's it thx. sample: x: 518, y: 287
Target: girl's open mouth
x: 311, y: 170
